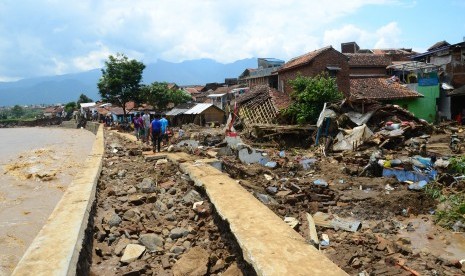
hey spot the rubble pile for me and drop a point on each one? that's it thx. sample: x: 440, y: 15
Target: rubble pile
x: 371, y: 205
x: 150, y: 220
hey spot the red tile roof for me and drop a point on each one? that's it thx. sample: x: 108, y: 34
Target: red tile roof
x: 368, y: 60
x: 379, y: 89
x: 303, y: 59
x: 191, y: 90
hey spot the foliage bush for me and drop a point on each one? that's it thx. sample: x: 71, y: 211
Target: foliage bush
x: 309, y: 96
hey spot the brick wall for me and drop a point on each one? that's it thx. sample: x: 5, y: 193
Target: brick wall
x: 367, y: 71
x: 318, y: 65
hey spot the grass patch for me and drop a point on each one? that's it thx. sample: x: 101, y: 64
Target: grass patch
x: 452, y: 204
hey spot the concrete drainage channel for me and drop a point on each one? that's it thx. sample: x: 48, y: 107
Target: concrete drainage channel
x: 150, y: 219
x: 267, y: 243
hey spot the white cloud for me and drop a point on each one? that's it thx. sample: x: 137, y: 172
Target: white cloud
x: 59, y: 36
x: 387, y: 36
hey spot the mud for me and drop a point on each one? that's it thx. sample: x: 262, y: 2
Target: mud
x: 398, y: 235
x: 36, y: 166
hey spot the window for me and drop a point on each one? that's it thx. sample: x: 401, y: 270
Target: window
x: 333, y: 70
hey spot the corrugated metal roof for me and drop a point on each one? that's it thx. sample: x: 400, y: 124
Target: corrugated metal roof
x: 215, y: 95
x: 176, y: 111
x: 84, y: 105
x: 199, y: 108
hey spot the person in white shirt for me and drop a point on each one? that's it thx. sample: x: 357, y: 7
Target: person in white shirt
x: 146, y: 120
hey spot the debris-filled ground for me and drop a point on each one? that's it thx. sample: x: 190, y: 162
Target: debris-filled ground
x: 151, y: 220
x: 384, y: 197
x: 392, y: 203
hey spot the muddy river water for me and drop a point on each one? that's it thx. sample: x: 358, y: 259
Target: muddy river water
x: 36, y: 166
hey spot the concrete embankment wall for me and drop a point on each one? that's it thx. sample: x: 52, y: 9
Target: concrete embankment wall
x: 60, y: 247
x: 90, y: 126
x: 31, y: 123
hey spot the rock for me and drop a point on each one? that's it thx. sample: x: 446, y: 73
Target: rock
x: 147, y: 186
x: 172, y: 191
x: 137, y: 199
x: 271, y: 190
x: 170, y: 203
x: 233, y: 270
x: 193, y: 263
x: 191, y: 197
x: 132, y: 190
x: 151, y: 241
x: 114, y: 220
x: 122, y: 243
x: 165, y: 262
x: 219, y: 265
x: 122, y: 173
x: 160, y: 206
x: 132, y: 252
x: 132, y: 214
x: 170, y: 217
x: 161, y: 162
x: 177, y: 249
x: 178, y: 232
x: 186, y: 244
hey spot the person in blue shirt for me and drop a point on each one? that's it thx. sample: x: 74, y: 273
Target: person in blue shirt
x: 164, y: 129
x: 155, y: 130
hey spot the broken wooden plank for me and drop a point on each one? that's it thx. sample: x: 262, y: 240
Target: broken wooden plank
x: 312, y: 229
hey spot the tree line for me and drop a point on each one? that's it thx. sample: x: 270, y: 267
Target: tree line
x: 121, y: 80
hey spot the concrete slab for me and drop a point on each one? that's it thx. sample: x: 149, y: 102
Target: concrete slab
x: 267, y: 242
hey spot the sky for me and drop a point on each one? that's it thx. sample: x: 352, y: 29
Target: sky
x: 55, y: 37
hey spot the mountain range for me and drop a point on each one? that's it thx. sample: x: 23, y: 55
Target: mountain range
x: 66, y: 88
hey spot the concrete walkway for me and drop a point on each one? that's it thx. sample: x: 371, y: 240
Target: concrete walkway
x: 267, y: 243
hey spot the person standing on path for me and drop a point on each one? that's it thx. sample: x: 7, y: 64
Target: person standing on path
x: 146, y: 124
x: 155, y: 130
x: 164, y: 129
x: 137, y: 125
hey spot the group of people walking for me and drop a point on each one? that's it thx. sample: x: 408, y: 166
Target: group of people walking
x: 157, y: 129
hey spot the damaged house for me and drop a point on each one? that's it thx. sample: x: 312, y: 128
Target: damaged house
x: 370, y: 81
x: 326, y: 59
x: 264, y: 74
x: 450, y: 58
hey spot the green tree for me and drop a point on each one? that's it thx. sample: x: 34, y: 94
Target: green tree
x: 309, y: 96
x: 83, y: 99
x: 17, y: 111
x: 178, y: 97
x: 120, y: 81
x: 159, y: 95
x: 71, y: 106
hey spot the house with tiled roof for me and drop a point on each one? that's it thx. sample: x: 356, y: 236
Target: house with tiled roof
x: 450, y: 60
x: 380, y: 89
x: 326, y: 59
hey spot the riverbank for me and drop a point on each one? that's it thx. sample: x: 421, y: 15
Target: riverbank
x: 36, y: 166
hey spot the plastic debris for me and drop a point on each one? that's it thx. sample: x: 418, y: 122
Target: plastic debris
x: 320, y: 182
x: 417, y: 185
x: 291, y: 221
x: 271, y: 164
x: 324, y: 240
x: 307, y: 163
x: 388, y: 187
x: 268, y: 177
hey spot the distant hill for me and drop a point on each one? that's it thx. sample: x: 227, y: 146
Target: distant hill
x: 66, y: 88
